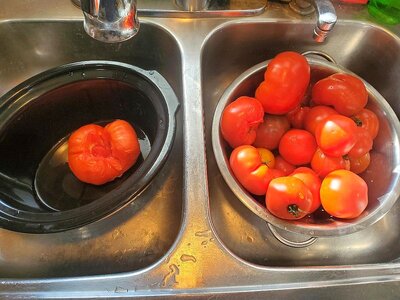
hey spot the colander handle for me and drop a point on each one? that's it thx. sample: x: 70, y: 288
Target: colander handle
x: 288, y: 242
x: 320, y: 53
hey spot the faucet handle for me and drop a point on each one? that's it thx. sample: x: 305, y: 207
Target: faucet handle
x: 110, y: 21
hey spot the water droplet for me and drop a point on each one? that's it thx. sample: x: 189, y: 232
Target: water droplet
x: 119, y: 289
x: 151, y: 72
x: 187, y: 257
x: 83, y: 74
x: 204, y: 243
x: 212, y: 240
x: 250, y: 239
x: 204, y: 233
x: 117, y: 234
x: 171, y: 275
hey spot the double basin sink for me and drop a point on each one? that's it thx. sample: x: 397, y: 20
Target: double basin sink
x: 187, y: 233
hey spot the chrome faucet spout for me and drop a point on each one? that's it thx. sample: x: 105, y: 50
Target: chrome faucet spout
x: 326, y: 15
x: 326, y: 19
x: 110, y: 21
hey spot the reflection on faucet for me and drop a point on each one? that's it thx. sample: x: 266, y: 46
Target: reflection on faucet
x: 326, y: 15
x: 110, y: 21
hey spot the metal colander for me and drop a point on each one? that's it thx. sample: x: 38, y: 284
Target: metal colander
x: 382, y: 176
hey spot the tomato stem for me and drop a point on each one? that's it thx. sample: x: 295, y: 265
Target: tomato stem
x: 267, y: 162
x: 294, y: 210
x: 358, y: 122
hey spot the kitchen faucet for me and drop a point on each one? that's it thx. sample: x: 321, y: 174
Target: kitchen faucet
x: 326, y: 15
x: 110, y: 21
x: 116, y: 20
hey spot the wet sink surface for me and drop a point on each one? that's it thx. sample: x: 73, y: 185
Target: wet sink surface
x: 370, y: 52
x: 137, y: 235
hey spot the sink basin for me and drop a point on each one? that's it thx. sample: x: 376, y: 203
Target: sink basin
x: 367, y: 50
x: 135, y: 236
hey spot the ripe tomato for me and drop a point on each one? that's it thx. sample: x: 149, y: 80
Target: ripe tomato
x: 288, y: 198
x: 344, y: 194
x: 267, y: 157
x: 346, y: 93
x: 363, y: 144
x: 250, y: 170
x: 316, y: 115
x: 283, y: 165
x: 367, y: 119
x: 323, y: 164
x: 313, y: 182
x: 285, y: 83
x: 240, y: 120
x: 297, y: 146
x: 360, y: 164
x: 269, y: 133
x: 336, y: 135
x: 297, y: 116
x: 98, y: 154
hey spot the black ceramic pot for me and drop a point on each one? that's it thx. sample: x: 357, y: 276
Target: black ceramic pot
x: 38, y: 192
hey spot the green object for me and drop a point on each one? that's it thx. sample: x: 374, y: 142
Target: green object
x: 385, y: 11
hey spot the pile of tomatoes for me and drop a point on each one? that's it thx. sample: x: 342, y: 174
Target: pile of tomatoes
x: 302, y: 145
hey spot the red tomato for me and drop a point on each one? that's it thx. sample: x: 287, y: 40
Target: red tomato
x: 346, y: 93
x: 240, y: 120
x: 269, y: 133
x: 98, y: 155
x: 267, y: 157
x: 297, y: 146
x: 336, y: 135
x: 288, y: 198
x: 323, y: 164
x: 316, y: 115
x: 249, y: 169
x: 363, y: 144
x: 298, y: 116
x: 360, y: 164
x: 283, y: 165
x: 285, y: 83
x: 368, y: 120
x: 344, y: 194
x: 313, y: 182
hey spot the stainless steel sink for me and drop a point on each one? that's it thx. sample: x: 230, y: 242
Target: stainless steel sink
x: 230, y: 51
x: 133, y: 237
x: 187, y: 234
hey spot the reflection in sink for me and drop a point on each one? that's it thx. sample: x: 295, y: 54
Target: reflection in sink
x: 368, y: 51
x: 137, y: 235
